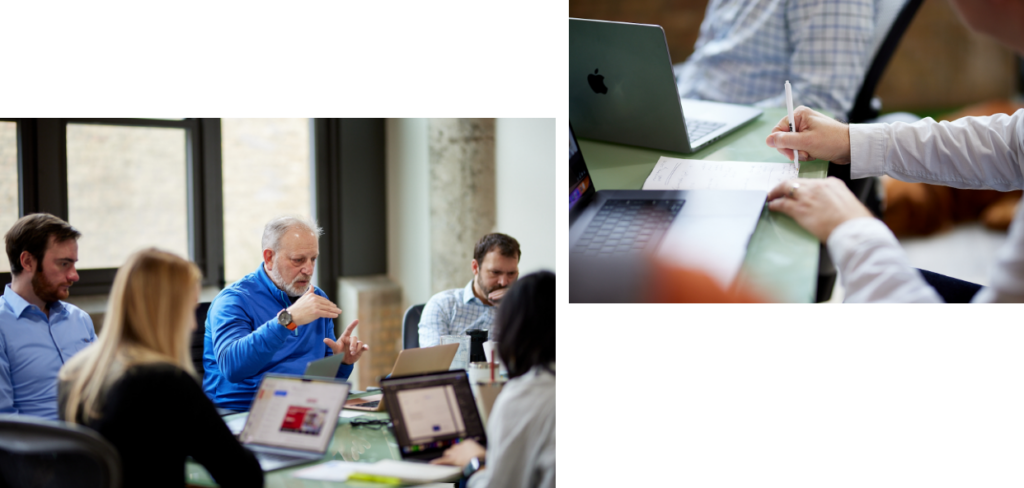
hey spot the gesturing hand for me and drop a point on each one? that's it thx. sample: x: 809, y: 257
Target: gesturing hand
x: 817, y: 205
x: 817, y: 136
x: 311, y: 306
x: 348, y: 344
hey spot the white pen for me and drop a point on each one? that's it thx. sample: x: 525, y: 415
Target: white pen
x: 792, y: 127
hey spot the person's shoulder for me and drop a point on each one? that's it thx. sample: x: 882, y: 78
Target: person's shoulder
x: 75, y: 312
x: 530, y: 386
x: 162, y: 375
x: 446, y: 296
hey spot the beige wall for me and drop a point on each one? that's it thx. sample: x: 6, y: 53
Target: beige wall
x: 408, y: 208
x: 526, y: 174
x: 525, y: 192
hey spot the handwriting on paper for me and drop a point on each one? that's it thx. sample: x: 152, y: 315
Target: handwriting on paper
x: 695, y: 174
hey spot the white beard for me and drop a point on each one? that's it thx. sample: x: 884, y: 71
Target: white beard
x: 289, y: 288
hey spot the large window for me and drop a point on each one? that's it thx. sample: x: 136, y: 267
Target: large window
x: 126, y: 184
x: 267, y: 173
x: 8, y: 182
x: 126, y: 191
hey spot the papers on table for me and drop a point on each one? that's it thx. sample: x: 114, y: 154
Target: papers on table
x: 386, y: 471
x: 695, y: 174
x: 329, y: 471
x: 347, y: 414
x: 392, y: 471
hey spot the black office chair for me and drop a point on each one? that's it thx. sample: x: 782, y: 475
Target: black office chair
x: 48, y: 454
x: 198, y: 336
x: 411, y: 327
x: 893, y: 21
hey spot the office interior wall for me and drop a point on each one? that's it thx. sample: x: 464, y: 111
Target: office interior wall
x: 408, y: 208
x: 524, y: 194
x: 525, y: 173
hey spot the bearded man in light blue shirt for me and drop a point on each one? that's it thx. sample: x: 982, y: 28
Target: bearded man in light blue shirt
x: 38, y: 331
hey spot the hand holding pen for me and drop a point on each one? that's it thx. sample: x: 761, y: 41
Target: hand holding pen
x: 816, y: 136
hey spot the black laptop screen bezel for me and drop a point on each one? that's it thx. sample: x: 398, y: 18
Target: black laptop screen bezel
x: 390, y: 391
x: 587, y: 195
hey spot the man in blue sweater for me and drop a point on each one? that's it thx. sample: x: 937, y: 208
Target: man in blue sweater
x: 273, y: 320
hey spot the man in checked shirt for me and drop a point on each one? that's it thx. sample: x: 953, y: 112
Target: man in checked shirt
x: 453, y: 312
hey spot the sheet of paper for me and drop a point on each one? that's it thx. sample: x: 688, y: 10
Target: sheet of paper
x: 696, y: 174
x: 347, y: 414
x: 329, y: 471
x: 410, y: 472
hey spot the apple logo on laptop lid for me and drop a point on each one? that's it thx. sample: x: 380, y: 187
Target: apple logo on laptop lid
x: 596, y: 82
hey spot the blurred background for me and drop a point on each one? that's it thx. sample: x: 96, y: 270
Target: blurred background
x: 940, y: 69
x: 402, y: 201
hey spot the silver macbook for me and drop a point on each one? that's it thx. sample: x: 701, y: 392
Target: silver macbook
x: 622, y: 89
x: 702, y: 229
x: 292, y: 419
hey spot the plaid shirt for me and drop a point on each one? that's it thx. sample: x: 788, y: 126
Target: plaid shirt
x: 747, y: 49
x: 453, y: 312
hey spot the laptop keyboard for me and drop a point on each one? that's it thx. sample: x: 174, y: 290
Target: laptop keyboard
x: 372, y: 404
x: 700, y: 128
x: 627, y: 226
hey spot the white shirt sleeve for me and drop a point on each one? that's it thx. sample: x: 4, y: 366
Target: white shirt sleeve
x: 972, y: 152
x: 873, y: 267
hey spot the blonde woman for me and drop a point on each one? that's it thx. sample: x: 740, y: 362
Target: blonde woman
x: 136, y: 385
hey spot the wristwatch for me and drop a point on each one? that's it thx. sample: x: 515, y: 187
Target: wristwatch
x: 284, y: 318
x: 474, y: 465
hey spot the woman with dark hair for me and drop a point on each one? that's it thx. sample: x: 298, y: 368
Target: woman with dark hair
x: 521, y: 428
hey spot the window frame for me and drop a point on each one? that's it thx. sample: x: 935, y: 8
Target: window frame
x: 42, y: 150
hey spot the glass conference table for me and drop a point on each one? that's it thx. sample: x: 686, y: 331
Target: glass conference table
x: 782, y: 258
x: 354, y: 443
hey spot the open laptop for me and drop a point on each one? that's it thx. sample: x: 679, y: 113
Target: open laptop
x: 432, y: 412
x: 325, y: 368
x: 622, y: 88
x: 704, y: 229
x: 292, y: 419
x: 410, y: 362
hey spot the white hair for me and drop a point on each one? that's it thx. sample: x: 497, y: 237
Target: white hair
x: 276, y: 228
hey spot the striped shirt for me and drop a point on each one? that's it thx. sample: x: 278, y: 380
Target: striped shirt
x: 747, y: 49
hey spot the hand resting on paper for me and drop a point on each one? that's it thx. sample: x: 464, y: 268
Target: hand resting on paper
x: 817, y: 205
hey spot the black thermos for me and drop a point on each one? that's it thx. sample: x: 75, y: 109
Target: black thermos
x: 477, y: 338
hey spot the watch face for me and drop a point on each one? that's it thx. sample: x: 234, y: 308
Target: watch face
x: 284, y: 318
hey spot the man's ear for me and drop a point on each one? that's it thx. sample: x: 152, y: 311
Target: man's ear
x: 476, y: 268
x: 268, y: 259
x: 28, y: 261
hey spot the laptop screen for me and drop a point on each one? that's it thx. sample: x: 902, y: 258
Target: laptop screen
x: 432, y: 412
x: 293, y: 412
x: 579, y: 178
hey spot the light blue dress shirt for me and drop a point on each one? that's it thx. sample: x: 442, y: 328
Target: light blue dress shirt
x: 747, y: 49
x: 32, y: 350
x: 453, y: 312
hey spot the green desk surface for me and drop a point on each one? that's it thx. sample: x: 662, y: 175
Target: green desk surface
x: 351, y: 443
x: 782, y: 258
